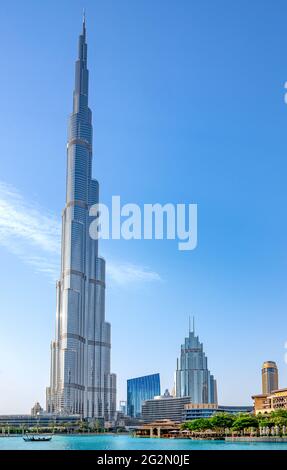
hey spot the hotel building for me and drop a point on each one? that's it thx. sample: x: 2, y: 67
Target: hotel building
x: 266, y: 403
x: 81, y: 381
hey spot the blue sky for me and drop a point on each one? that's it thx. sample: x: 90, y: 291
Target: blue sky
x: 188, y: 106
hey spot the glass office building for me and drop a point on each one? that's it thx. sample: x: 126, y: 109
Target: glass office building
x: 192, y: 377
x: 139, y: 390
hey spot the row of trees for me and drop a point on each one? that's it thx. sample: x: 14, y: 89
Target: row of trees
x: 222, y: 423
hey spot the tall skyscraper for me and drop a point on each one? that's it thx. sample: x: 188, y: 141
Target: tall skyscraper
x: 80, y: 380
x: 140, y: 389
x: 269, y: 377
x: 192, y: 377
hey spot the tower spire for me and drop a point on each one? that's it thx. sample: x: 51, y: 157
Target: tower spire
x: 84, y: 22
x: 189, y: 324
x: 81, y: 72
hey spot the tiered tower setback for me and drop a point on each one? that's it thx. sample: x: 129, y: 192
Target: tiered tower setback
x: 192, y: 377
x: 80, y: 380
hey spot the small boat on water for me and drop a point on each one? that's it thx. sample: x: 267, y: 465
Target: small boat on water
x: 33, y: 438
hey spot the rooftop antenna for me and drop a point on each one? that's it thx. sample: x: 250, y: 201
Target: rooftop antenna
x: 84, y: 21
x: 193, y: 327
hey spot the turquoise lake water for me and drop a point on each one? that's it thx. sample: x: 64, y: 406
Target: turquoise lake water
x: 110, y: 442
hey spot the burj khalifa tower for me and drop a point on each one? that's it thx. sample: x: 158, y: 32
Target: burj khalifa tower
x: 80, y: 377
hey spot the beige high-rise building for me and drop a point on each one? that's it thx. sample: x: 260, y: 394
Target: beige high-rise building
x: 269, y: 377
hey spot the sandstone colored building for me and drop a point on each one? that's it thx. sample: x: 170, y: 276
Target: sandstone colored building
x: 266, y: 403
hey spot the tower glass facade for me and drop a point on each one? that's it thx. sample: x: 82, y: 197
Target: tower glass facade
x: 192, y: 377
x: 139, y: 390
x: 269, y: 377
x: 80, y: 379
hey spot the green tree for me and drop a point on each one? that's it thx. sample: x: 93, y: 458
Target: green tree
x: 275, y: 418
x: 83, y: 426
x: 200, y: 424
x: 280, y: 421
x: 264, y: 421
x: 221, y: 421
x: 279, y: 414
x: 97, y: 426
x: 244, y: 421
x: 184, y: 425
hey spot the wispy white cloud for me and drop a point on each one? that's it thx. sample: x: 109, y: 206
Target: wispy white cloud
x: 29, y: 232
x: 125, y: 273
x: 27, y: 222
x: 33, y: 235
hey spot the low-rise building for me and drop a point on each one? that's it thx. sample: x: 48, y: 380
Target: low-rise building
x: 159, y: 428
x: 41, y: 420
x: 206, y: 410
x: 266, y: 403
x: 182, y: 409
x: 164, y: 408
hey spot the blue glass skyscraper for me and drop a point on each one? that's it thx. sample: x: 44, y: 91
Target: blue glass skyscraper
x: 80, y: 380
x: 140, y: 389
x: 192, y: 377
